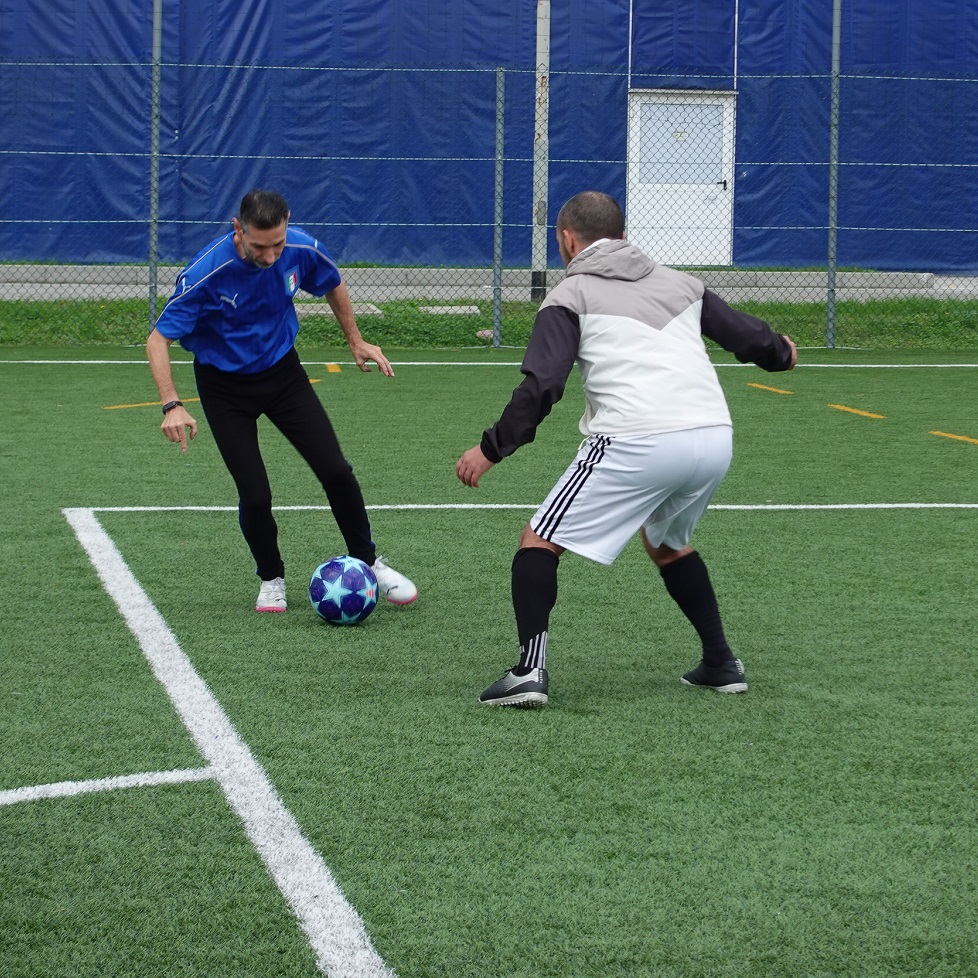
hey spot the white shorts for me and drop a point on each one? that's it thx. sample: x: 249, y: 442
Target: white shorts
x: 617, y: 485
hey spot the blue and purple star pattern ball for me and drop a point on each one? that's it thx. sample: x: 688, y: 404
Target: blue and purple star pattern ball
x: 343, y: 591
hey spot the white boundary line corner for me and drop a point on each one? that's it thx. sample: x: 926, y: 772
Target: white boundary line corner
x: 334, y: 929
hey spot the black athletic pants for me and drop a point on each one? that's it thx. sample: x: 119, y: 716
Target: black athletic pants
x: 232, y: 404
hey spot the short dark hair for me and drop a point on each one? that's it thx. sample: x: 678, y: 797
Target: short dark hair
x: 263, y: 209
x: 592, y: 215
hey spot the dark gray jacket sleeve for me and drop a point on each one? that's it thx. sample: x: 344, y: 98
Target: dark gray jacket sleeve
x: 549, y: 359
x: 749, y: 339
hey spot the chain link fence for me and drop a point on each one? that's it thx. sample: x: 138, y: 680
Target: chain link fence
x: 473, y: 249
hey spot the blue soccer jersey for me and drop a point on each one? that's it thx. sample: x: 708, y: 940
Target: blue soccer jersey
x: 234, y: 315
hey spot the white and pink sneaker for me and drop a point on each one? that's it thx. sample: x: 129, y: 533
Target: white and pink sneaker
x: 392, y: 585
x: 271, y: 596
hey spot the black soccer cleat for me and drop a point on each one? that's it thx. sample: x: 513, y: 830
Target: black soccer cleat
x: 728, y: 678
x: 513, y: 690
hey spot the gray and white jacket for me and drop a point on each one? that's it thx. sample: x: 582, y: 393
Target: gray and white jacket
x: 635, y: 329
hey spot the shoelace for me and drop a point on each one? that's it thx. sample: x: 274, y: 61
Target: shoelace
x: 273, y: 590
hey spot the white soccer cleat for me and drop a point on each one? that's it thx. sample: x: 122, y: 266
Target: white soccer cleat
x: 392, y: 585
x: 271, y: 595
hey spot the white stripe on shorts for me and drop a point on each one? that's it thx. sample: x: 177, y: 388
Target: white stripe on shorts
x: 548, y: 517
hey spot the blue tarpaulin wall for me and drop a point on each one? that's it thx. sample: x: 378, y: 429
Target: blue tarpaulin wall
x: 376, y: 118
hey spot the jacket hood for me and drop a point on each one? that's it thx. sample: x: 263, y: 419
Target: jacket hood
x: 612, y: 259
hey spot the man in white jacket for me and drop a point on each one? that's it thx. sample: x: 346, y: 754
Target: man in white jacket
x: 658, y: 434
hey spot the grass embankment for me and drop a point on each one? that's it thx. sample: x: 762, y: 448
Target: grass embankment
x: 888, y: 324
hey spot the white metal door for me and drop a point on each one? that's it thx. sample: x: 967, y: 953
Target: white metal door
x: 680, y: 176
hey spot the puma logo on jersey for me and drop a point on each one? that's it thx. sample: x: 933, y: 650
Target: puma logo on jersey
x: 232, y: 302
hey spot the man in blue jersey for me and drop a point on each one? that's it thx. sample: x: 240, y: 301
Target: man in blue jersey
x: 656, y: 425
x: 233, y: 310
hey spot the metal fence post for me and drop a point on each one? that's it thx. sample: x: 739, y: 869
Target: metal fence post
x: 833, y: 174
x: 154, y: 160
x: 497, y: 235
x: 541, y: 154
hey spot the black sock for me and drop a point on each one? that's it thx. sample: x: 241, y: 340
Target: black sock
x: 534, y: 595
x: 688, y: 583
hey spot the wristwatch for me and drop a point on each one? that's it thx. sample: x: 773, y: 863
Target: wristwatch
x: 170, y: 405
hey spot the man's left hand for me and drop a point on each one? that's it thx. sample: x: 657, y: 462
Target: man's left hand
x: 364, y: 352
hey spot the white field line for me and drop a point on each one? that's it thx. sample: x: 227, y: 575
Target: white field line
x: 787, y: 507
x: 334, y: 929
x: 501, y: 363
x: 736, y: 507
x: 68, y: 789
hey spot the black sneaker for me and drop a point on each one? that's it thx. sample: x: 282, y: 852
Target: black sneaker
x: 728, y: 678
x: 513, y: 690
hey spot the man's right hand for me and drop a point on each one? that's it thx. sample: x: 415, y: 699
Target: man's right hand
x: 472, y: 466
x: 177, y: 422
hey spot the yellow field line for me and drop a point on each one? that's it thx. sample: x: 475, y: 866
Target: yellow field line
x: 944, y: 434
x: 186, y: 400
x: 864, y: 414
x: 119, y: 407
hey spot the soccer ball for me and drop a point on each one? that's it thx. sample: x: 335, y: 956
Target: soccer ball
x: 343, y: 591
